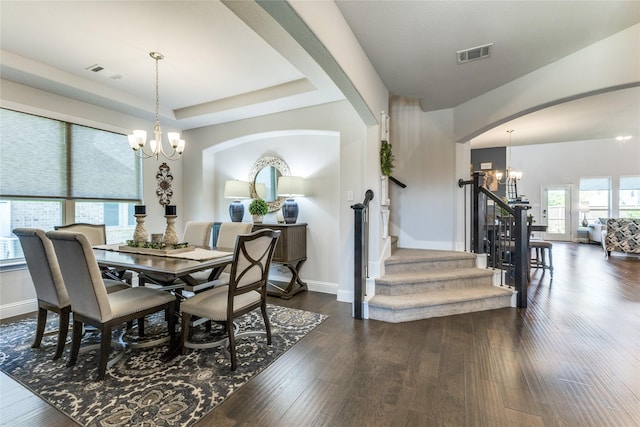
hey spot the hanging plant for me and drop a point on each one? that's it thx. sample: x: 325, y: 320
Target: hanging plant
x: 386, y: 158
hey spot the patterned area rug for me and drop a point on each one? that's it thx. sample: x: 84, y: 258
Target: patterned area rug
x: 141, y: 389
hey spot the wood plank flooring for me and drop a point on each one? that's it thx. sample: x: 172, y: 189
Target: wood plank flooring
x: 572, y: 358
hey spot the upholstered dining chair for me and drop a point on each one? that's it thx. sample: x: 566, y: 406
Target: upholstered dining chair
x: 198, y: 233
x: 90, y: 302
x: 97, y: 235
x: 47, y: 279
x: 49, y: 285
x: 246, y: 291
x: 226, y: 240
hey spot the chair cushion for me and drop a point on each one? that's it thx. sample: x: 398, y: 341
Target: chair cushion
x: 212, y: 304
x: 115, y: 285
x: 131, y: 300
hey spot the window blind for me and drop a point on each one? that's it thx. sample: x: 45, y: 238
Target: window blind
x: 630, y: 183
x: 595, y: 184
x: 41, y: 157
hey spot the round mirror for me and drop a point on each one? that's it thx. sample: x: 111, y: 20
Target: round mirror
x: 264, y: 180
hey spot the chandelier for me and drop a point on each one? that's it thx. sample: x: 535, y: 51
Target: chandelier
x: 510, y: 175
x: 138, y: 139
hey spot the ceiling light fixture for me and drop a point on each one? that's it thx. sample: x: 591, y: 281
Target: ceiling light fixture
x: 623, y: 139
x: 510, y: 173
x: 138, y: 139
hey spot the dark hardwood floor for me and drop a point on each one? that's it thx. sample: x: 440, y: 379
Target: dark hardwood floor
x: 572, y: 358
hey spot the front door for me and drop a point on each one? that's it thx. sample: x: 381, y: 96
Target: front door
x: 556, y: 212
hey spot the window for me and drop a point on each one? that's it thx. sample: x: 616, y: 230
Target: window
x: 595, y: 196
x: 52, y: 170
x: 629, y: 197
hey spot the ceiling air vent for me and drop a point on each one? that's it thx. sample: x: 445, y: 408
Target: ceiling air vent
x: 104, y: 72
x: 474, y: 53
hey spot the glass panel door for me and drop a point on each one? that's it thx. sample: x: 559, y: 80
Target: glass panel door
x: 556, y: 212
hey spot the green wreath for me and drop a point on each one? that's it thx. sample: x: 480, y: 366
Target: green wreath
x: 386, y: 158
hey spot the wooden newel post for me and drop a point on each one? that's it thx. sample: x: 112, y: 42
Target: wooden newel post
x: 359, y: 254
x: 477, y: 209
x: 522, y: 255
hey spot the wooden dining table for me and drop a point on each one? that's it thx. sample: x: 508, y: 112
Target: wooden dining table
x: 164, y: 268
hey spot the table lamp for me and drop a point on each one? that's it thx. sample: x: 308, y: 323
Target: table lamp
x: 290, y: 187
x: 584, y: 209
x: 236, y: 190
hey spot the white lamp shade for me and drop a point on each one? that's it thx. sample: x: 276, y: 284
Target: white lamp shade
x: 584, y: 207
x: 290, y: 186
x: 236, y: 189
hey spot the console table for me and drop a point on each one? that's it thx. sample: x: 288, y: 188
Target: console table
x: 291, y: 252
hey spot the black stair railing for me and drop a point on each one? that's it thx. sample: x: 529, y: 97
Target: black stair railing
x: 361, y: 250
x: 501, y: 232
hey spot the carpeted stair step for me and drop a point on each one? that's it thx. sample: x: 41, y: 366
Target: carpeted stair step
x: 416, y: 283
x: 406, y: 260
x: 405, y: 308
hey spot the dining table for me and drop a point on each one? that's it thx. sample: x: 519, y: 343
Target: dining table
x: 170, y: 270
x: 164, y: 266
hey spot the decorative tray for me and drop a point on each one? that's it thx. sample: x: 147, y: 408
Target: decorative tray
x: 151, y: 251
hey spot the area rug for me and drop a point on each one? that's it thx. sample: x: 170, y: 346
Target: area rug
x: 141, y: 388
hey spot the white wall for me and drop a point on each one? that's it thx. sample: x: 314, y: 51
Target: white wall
x: 324, y: 143
x: 422, y: 144
x: 566, y: 162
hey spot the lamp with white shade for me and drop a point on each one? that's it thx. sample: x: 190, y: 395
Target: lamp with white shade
x: 290, y: 187
x: 584, y: 209
x: 236, y: 190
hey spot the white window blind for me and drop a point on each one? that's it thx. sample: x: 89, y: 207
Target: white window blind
x: 32, y: 156
x: 630, y: 183
x: 41, y: 157
x: 595, y: 184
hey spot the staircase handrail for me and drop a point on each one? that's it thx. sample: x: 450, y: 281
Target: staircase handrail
x: 503, y: 237
x: 361, y: 250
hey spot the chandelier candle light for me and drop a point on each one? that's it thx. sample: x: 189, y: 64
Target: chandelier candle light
x: 138, y: 139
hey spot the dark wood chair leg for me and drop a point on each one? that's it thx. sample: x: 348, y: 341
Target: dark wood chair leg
x: 63, y: 329
x: 75, y: 342
x: 186, y: 330
x: 232, y: 344
x: 42, y: 322
x: 105, y: 349
x: 267, y: 325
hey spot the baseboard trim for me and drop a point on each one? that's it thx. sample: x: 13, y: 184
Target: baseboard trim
x: 18, y: 308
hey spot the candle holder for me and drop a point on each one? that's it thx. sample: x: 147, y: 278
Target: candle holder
x: 170, y: 235
x: 140, y: 234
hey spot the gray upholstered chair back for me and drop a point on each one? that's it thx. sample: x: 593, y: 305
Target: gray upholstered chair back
x: 229, y: 231
x: 198, y: 233
x: 96, y: 233
x: 43, y: 266
x: 81, y: 274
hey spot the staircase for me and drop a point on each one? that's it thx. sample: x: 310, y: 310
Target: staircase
x: 421, y: 283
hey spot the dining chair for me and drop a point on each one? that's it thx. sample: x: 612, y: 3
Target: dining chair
x: 97, y: 235
x: 198, y: 233
x: 47, y: 279
x: 90, y: 302
x: 246, y: 291
x: 226, y: 240
x: 50, y: 289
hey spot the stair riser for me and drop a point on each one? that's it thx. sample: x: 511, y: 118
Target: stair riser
x: 427, y: 266
x: 427, y: 312
x: 432, y: 285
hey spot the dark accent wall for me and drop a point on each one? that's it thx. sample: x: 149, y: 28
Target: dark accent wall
x: 497, y: 156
